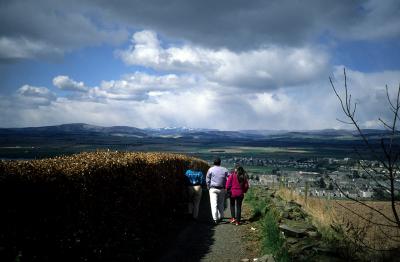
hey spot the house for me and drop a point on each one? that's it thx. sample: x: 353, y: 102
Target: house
x: 269, y: 180
x: 366, y: 194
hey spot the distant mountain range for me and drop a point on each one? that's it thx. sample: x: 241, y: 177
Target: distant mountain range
x: 184, y: 132
x: 49, y: 141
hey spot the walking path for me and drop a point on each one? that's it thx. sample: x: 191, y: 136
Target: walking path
x: 203, y: 241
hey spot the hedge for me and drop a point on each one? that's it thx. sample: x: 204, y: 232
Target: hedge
x: 102, y: 206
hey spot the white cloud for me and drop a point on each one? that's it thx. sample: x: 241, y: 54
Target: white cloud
x: 369, y: 92
x: 194, y: 107
x: 66, y: 83
x: 146, y: 100
x: 31, y: 96
x: 141, y: 86
x: 266, y: 68
x: 32, y: 91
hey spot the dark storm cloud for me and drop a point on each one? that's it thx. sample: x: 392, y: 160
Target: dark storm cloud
x: 237, y: 24
x: 30, y: 29
x: 243, y: 25
x: 39, y: 28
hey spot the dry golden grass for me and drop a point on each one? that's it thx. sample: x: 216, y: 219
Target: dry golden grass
x: 358, y: 223
x: 87, y: 162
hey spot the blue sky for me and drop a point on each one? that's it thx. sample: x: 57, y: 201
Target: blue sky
x: 235, y: 65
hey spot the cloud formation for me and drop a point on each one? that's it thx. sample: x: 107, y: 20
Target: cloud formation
x: 28, y: 96
x: 56, y: 27
x: 226, y: 64
x: 144, y: 100
x: 375, y: 20
x: 52, y: 28
x: 32, y: 91
x: 239, y: 25
x: 141, y: 86
x: 68, y: 84
x: 12, y: 48
x: 266, y: 68
x: 369, y: 92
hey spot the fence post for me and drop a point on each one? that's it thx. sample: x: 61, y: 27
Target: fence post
x: 291, y: 192
x: 306, y: 193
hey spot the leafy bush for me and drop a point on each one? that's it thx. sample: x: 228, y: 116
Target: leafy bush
x: 102, y: 206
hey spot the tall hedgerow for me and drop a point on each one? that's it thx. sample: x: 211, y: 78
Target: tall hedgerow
x: 101, y: 206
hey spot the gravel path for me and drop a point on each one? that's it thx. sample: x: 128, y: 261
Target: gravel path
x: 203, y: 241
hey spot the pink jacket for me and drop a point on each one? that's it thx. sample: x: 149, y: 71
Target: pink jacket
x: 234, y: 185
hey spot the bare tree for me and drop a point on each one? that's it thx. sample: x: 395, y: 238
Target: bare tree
x: 386, y: 152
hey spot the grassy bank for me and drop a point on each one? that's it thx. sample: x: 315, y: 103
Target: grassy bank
x: 272, y: 241
x: 353, y: 228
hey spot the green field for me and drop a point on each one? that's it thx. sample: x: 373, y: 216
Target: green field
x: 203, y: 151
x: 31, y: 147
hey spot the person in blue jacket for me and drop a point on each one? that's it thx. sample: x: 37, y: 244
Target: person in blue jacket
x: 195, y: 180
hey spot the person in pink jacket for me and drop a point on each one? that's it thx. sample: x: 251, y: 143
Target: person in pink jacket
x: 238, y: 185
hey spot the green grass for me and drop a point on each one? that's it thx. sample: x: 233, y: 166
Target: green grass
x: 272, y: 241
x: 257, y: 203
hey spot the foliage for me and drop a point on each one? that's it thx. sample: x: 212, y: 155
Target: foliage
x: 257, y: 203
x: 321, y: 182
x: 272, y: 240
x: 102, y: 206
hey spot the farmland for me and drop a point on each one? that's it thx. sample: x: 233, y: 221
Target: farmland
x: 41, y: 142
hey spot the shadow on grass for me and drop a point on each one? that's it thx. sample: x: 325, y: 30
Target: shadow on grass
x: 194, y: 240
x: 256, y: 216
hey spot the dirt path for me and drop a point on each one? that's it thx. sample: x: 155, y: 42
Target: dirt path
x: 203, y: 241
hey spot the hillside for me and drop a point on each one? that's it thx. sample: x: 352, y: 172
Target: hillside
x: 84, y: 129
x: 48, y: 141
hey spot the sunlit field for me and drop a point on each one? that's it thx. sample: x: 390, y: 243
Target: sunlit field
x: 358, y: 223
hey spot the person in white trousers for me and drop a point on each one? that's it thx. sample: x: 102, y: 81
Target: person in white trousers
x: 216, y: 181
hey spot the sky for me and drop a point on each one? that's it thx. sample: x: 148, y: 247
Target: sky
x: 228, y: 65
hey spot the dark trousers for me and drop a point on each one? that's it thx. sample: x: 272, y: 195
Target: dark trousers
x: 236, y: 207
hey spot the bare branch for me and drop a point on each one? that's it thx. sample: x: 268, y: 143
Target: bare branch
x: 362, y: 217
x: 348, y: 112
x: 372, y: 248
x: 338, y: 96
x: 373, y: 177
x: 379, y: 160
x: 364, y: 204
x: 395, y: 238
x: 344, y: 122
x: 385, y: 124
x: 388, y: 98
x: 354, y: 111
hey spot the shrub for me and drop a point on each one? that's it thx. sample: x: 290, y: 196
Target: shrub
x: 102, y: 206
